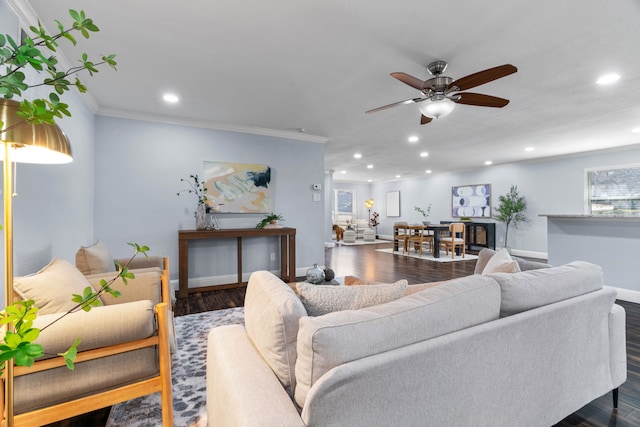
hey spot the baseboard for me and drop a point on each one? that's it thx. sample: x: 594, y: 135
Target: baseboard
x: 628, y: 295
x: 203, y: 282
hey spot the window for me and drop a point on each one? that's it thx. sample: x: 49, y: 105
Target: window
x: 613, y: 191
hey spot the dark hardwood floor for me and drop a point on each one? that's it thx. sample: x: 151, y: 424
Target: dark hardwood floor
x: 365, y: 262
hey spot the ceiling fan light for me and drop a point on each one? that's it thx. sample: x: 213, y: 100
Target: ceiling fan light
x: 437, y: 108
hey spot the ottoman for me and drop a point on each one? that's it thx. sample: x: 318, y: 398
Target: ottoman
x: 369, y: 235
x: 349, y: 236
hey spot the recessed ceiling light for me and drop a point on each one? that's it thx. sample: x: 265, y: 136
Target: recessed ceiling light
x: 529, y: 149
x: 636, y: 130
x: 607, y: 79
x: 357, y: 156
x: 424, y: 154
x: 427, y: 171
x: 369, y: 180
x: 369, y: 166
x: 413, y: 138
x: 397, y: 176
x: 343, y: 172
x: 488, y: 162
x: 170, y: 98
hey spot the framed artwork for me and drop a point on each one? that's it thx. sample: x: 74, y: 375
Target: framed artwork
x: 393, y: 203
x: 237, y: 187
x: 473, y: 201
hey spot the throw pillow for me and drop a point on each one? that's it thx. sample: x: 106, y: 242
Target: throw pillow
x: 95, y: 259
x: 323, y: 299
x: 501, y: 262
x: 52, y: 287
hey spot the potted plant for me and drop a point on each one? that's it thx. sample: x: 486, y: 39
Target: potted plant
x: 510, y: 210
x: 197, y: 188
x: 270, y: 219
x: 375, y: 222
x: 424, y: 212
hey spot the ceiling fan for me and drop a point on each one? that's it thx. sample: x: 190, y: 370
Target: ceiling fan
x: 440, y: 93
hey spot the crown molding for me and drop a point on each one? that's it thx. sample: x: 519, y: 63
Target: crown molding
x: 298, y: 136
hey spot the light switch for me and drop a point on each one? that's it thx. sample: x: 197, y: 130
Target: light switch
x: 316, y: 197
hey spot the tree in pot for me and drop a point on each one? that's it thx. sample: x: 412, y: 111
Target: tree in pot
x: 510, y: 210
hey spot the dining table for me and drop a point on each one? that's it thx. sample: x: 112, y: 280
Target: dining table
x: 437, y: 229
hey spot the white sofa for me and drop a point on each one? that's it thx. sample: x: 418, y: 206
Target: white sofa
x: 504, y: 349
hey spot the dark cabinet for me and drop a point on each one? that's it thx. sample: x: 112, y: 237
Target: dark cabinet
x: 479, y: 234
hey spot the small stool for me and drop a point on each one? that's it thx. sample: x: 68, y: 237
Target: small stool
x: 369, y: 235
x: 349, y: 236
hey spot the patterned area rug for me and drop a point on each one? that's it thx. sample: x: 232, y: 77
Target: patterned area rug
x: 188, y: 373
x: 427, y: 256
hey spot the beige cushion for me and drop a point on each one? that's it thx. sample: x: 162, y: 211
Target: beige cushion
x: 271, y: 314
x: 534, y: 288
x: 323, y: 299
x: 501, y: 262
x: 52, y: 287
x: 94, y: 259
x: 337, y: 338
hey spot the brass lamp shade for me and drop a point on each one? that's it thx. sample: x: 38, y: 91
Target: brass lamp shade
x: 34, y: 143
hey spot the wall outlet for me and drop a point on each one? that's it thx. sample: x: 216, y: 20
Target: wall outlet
x: 273, y: 256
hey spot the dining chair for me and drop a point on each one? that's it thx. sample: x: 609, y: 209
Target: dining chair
x: 418, y: 236
x: 456, y: 237
x: 400, y: 235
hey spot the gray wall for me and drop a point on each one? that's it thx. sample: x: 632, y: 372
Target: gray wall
x: 550, y: 187
x: 138, y: 166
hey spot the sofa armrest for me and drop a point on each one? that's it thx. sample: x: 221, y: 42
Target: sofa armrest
x: 147, y: 285
x: 241, y: 388
x: 618, y: 343
x: 101, y: 327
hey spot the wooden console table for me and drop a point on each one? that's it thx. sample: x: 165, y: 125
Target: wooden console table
x: 287, y: 253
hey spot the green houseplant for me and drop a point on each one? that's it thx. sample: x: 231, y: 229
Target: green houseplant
x: 268, y: 219
x: 510, y: 210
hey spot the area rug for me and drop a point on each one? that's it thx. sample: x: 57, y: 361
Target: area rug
x: 428, y: 257
x: 188, y: 374
x: 362, y: 242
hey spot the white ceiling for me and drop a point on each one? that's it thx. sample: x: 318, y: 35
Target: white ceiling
x: 317, y: 66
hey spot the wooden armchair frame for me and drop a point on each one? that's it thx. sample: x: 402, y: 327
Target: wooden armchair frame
x: 159, y: 383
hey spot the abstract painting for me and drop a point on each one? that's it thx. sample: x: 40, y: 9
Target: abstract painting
x: 237, y: 187
x: 473, y: 201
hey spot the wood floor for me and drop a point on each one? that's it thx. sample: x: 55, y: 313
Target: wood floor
x: 365, y: 262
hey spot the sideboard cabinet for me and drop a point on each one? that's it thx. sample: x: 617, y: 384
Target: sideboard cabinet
x: 479, y: 234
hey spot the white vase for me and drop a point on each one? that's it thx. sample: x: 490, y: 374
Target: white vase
x: 201, y: 215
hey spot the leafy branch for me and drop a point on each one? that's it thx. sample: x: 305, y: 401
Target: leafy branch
x: 20, y: 345
x: 38, y: 53
x: 197, y: 188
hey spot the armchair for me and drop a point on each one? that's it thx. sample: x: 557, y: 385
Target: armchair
x: 124, y: 352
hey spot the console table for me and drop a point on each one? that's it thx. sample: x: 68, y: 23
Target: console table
x: 287, y: 253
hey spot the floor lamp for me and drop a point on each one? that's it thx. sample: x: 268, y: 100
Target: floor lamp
x: 22, y: 143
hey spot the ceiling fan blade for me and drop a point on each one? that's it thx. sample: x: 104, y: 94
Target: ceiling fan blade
x: 395, y: 104
x: 405, y: 78
x: 482, y: 77
x: 481, y: 100
x: 424, y: 119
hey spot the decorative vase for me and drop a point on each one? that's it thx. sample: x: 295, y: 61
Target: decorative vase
x: 315, y: 275
x: 201, y: 216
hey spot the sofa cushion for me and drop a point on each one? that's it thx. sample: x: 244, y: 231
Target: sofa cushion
x: 501, y: 262
x: 271, y: 313
x: 323, y: 299
x: 52, y: 287
x: 534, y: 288
x: 485, y: 255
x: 331, y: 340
x: 95, y: 259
